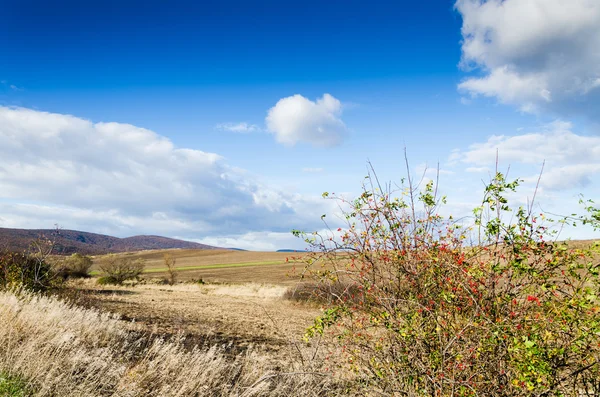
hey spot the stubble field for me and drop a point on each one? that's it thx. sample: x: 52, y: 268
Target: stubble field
x: 219, y: 266
x: 231, y: 298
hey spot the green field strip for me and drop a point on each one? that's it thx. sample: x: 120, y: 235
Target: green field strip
x: 216, y: 266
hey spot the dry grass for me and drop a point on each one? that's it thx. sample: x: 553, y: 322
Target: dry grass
x: 63, y: 350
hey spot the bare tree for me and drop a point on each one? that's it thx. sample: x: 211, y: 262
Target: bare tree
x: 170, y: 262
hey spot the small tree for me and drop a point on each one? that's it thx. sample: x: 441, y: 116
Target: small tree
x: 434, y: 313
x: 74, y: 266
x: 170, y: 262
x: 118, y: 269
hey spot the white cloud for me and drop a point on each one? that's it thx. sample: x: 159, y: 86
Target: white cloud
x: 237, y: 127
x: 297, y: 119
x: 536, y: 54
x: 256, y: 241
x: 477, y: 169
x: 572, y: 160
x: 121, y: 179
x: 312, y: 170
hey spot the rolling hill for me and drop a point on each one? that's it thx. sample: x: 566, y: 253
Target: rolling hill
x: 71, y: 241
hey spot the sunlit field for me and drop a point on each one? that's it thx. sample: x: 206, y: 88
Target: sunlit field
x: 219, y: 265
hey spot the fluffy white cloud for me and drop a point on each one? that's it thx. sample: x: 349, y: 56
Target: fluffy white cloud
x: 237, y: 127
x: 121, y: 179
x: 571, y: 160
x: 297, y: 119
x: 537, y: 54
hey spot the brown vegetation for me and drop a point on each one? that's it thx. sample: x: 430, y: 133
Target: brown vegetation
x: 116, y: 270
x: 62, y: 350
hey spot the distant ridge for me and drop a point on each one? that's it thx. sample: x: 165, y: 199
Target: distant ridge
x: 290, y: 250
x: 71, y: 241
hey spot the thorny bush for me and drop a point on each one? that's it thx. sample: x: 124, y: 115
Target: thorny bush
x: 440, y: 308
x: 28, y: 270
x: 118, y: 269
x: 74, y: 266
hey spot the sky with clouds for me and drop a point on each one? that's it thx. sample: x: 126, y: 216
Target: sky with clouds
x: 224, y: 122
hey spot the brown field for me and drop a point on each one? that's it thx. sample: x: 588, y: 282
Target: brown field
x: 240, y: 301
x: 220, y: 266
x: 241, y: 315
x: 234, y: 335
x: 184, y: 340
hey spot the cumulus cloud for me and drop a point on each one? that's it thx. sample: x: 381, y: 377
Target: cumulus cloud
x: 237, y: 127
x: 122, y: 179
x: 297, y: 119
x: 536, y: 54
x: 572, y: 160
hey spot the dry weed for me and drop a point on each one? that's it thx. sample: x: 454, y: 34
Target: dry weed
x: 64, y: 350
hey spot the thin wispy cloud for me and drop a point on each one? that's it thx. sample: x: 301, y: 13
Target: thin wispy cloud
x: 242, y: 128
x: 11, y: 86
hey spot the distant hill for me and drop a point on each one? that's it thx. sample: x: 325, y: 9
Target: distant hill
x: 290, y: 250
x: 71, y: 241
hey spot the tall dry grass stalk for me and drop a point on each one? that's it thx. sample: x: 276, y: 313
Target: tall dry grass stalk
x: 64, y: 350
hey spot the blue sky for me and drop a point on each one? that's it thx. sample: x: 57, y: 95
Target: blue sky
x: 223, y: 122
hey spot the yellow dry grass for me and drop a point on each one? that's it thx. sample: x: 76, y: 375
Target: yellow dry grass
x: 62, y: 350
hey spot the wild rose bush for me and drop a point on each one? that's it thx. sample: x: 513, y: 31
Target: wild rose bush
x: 29, y: 270
x: 20, y: 270
x: 442, y: 309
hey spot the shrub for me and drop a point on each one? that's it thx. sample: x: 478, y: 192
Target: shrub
x: 495, y: 309
x: 118, y: 269
x: 74, y: 266
x: 28, y: 271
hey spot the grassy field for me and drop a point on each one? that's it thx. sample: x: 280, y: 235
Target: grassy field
x: 218, y: 265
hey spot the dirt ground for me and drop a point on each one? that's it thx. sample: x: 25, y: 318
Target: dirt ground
x: 235, y: 315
